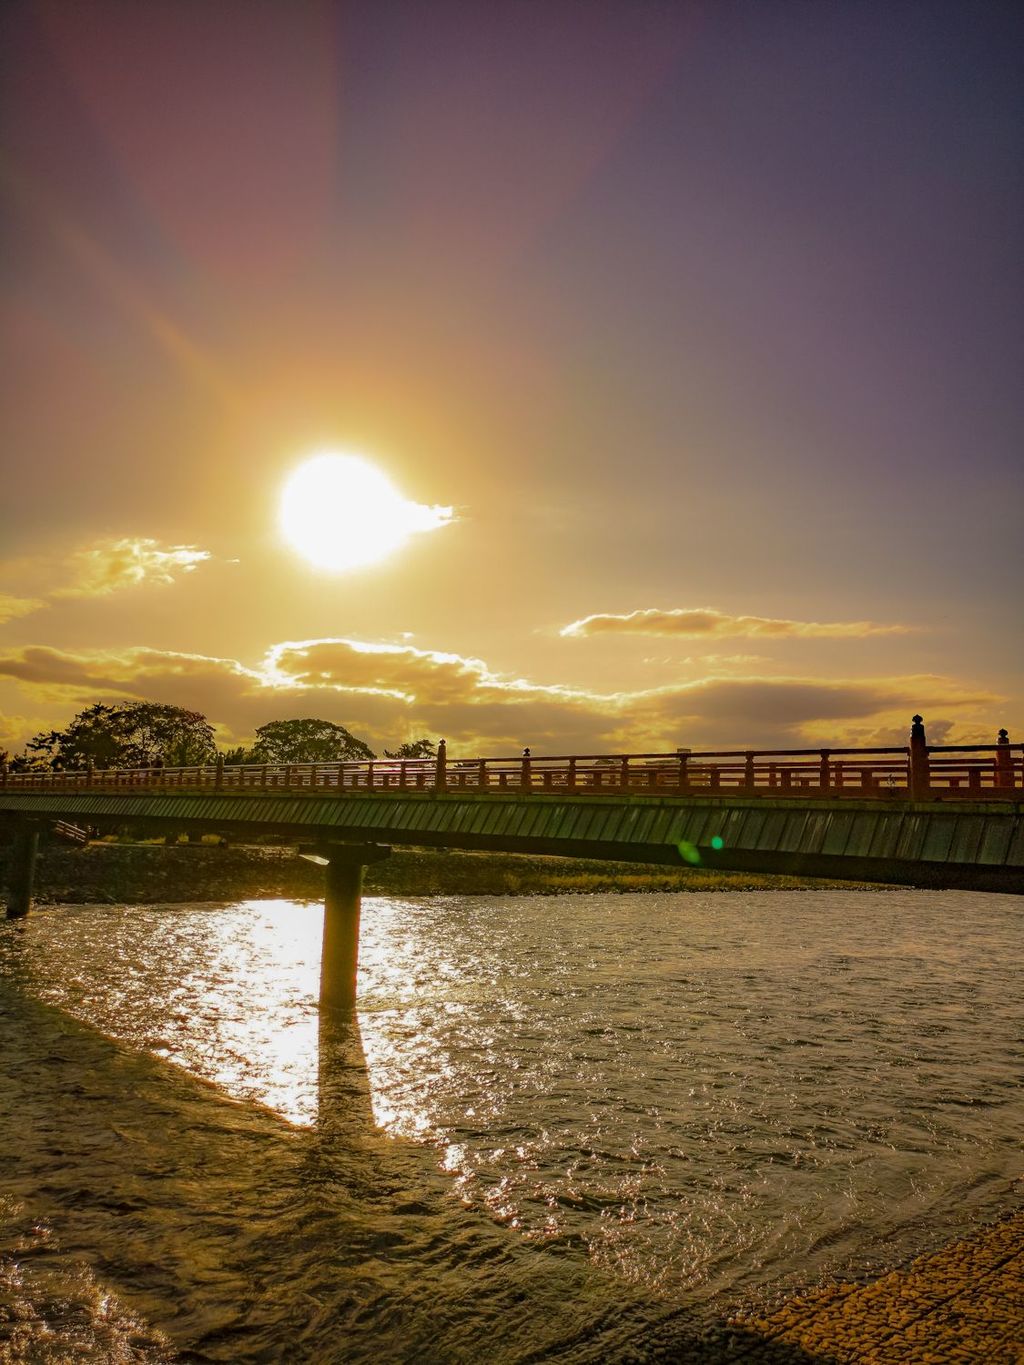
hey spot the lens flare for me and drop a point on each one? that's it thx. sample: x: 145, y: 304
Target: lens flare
x: 688, y: 852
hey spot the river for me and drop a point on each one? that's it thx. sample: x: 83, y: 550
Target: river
x: 568, y: 1128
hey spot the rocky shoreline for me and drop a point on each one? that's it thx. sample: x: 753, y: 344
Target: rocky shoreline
x: 150, y: 873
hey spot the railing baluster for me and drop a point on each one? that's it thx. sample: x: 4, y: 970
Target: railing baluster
x: 683, y: 782
x: 1004, y: 762
x: 441, y: 766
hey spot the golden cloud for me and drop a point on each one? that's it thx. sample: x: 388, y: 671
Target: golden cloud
x: 698, y: 622
x: 13, y: 607
x: 126, y: 672
x: 386, y: 692
x: 399, y: 671
x: 115, y: 564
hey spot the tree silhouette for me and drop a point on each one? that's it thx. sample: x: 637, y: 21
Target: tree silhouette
x: 307, y: 741
x: 127, y: 735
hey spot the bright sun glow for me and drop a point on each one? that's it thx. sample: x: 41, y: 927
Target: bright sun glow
x: 340, y: 511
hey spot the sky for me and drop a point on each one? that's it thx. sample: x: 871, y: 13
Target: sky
x: 688, y: 335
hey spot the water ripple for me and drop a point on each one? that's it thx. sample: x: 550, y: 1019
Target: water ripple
x: 693, y: 1098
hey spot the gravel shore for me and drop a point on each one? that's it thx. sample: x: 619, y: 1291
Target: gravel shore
x: 964, y: 1302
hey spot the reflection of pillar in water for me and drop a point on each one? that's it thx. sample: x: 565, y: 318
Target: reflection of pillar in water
x: 339, y: 962
x: 343, y: 1082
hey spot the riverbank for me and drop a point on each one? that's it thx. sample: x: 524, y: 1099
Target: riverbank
x: 110, y: 873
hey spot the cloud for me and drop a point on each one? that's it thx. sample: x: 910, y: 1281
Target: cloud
x: 13, y: 607
x: 400, y: 671
x: 699, y: 622
x: 386, y: 693
x: 115, y: 564
x: 73, y: 674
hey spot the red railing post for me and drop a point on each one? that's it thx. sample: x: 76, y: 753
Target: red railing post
x: 481, y: 777
x: 1004, y: 761
x: 570, y: 776
x: 823, y: 770
x: 525, y: 776
x: 684, y: 775
x: 441, y: 769
x: 401, y: 773
x: 920, y: 768
x: 624, y: 773
x: 218, y: 781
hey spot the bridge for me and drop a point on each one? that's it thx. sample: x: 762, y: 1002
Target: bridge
x: 949, y: 816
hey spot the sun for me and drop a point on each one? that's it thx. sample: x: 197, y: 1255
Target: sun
x: 341, y: 512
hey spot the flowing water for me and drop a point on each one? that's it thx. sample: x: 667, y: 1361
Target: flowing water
x: 572, y: 1127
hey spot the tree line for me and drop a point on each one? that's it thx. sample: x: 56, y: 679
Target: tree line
x: 136, y: 734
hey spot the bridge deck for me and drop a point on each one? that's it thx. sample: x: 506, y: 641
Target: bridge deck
x: 934, y: 843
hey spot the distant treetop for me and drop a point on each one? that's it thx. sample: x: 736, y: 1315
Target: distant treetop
x: 307, y: 741
x: 414, y: 748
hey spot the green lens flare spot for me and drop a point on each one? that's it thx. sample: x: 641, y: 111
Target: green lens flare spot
x: 718, y: 842
x: 688, y: 852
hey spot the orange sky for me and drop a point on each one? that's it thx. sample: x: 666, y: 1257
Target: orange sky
x: 704, y: 320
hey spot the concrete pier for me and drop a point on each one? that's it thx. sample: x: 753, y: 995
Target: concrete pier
x: 23, y: 871
x: 339, y: 962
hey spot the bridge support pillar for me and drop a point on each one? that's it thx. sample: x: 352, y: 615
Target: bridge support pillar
x: 339, y: 961
x: 22, y: 876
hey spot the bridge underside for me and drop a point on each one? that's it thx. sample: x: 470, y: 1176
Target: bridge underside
x: 954, y: 844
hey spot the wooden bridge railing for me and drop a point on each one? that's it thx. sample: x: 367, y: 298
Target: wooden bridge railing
x: 975, y: 772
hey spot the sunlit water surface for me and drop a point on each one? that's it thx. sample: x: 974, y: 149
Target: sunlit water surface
x: 582, y: 1112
